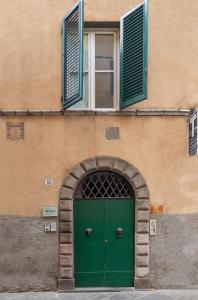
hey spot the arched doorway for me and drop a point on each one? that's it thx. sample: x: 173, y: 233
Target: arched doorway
x: 66, y: 226
x: 104, y: 231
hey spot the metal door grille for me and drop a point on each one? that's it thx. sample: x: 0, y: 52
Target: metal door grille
x: 104, y: 184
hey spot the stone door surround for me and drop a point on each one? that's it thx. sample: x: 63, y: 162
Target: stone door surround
x: 67, y: 192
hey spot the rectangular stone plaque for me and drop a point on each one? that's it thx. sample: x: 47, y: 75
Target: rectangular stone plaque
x: 50, y: 212
x: 112, y: 133
x: 15, y: 130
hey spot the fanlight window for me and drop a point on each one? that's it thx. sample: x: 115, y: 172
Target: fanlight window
x: 104, y: 184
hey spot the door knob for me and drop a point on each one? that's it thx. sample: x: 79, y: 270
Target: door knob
x: 89, y: 232
x: 119, y: 232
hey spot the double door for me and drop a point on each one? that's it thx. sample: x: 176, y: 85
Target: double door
x: 104, y: 242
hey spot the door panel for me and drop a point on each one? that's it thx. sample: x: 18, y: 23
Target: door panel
x: 89, y: 250
x: 106, y: 257
x: 119, y: 251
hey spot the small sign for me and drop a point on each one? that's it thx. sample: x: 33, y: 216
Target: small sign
x: 50, y: 212
x: 193, y: 134
x: 49, y: 181
x: 157, y: 209
x: 153, y: 227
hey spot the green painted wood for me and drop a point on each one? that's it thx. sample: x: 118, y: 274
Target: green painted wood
x: 119, y: 251
x: 72, y: 55
x: 88, y: 251
x: 104, y: 259
x: 133, y: 56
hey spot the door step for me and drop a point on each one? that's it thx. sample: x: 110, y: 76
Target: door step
x: 101, y: 289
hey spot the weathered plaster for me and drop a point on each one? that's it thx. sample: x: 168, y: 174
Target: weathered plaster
x: 28, y: 255
x: 158, y: 146
x: 174, y: 251
x: 30, y: 58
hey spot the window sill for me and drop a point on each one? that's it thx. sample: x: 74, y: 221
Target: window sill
x: 92, y: 110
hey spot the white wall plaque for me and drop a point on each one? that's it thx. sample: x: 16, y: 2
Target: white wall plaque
x: 49, y: 181
x: 50, y: 212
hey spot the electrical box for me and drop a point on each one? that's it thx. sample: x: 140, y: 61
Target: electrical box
x: 153, y: 227
x: 51, y: 227
x: 47, y: 227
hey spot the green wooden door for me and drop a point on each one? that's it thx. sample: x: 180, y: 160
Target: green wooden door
x: 88, y: 253
x: 119, y: 248
x: 103, y: 242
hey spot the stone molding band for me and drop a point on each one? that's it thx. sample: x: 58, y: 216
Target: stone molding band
x: 131, y: 112
x: 66, y: 275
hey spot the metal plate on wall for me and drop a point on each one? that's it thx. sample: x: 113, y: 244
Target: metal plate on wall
x: 112, y: 133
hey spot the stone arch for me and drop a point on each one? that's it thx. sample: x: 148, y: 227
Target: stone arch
x: 66, y: 277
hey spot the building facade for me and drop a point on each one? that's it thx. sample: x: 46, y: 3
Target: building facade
x: 118, y: 171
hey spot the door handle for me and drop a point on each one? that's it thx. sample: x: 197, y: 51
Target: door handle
x: 119, y: 232
x: 89, y: 232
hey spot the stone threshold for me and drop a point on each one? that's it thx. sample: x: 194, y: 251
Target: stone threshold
x: 101, y: 289
x: 133, y: 112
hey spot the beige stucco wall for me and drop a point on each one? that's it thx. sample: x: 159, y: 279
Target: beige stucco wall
x: 157, y: 146
x: 30, y: 56
x: 30, y: 77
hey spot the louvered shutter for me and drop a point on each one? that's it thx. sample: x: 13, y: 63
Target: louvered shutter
x: 133, y: 56
x: 72, y: 56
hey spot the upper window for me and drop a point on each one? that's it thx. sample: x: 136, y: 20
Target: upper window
x: 98, y: 73
x: 99, y: 70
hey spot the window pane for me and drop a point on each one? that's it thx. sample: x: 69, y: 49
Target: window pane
x: 85, y: 52
x: 84, y: 102
x: 104, y: 51
x: 104, y: 90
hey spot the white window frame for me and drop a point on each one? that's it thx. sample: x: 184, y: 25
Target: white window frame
x: 91, y: 68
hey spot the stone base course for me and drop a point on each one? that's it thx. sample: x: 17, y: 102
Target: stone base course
x: 174, y: 252
x: 65, y: 284
x: 118, y: 294
x: 28, y: 255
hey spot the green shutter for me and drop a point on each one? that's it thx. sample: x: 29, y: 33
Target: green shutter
x: 133, y: 56
x: 72, y: 56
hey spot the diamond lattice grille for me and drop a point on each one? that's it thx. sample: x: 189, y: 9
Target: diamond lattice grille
x: 104, y: 184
